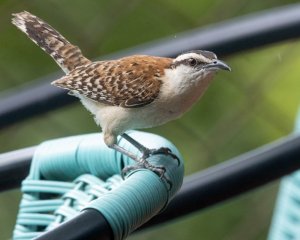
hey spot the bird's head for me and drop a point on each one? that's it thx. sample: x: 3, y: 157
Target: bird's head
x: 198, y: 63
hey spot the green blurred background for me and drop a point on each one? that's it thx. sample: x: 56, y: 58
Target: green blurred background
x: 254, y: 104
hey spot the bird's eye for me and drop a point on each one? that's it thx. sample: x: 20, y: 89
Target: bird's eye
x: 192, y: 62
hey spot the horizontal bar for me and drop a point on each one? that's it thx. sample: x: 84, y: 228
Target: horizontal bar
x: 231, y: 36
x: 90, y: 224
x: 203, y: 189
x: 225, y: 38
x: 14, y: 167
x: 231, y: 178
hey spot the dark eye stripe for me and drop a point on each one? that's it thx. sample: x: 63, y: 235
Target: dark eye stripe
x: 182, y: 62
x: 186, y: 62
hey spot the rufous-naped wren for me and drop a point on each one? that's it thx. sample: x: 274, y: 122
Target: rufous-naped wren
x: 132, y: 92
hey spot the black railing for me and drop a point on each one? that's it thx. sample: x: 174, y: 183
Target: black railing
x: 225, y: 38
x: 202, y: 189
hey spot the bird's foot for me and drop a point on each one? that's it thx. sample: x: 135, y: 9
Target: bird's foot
x: 148, y: 152
x: 163, y: 150
x: 143, y: 163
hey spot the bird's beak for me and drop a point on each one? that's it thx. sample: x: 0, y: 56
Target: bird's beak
x: 217, y: 65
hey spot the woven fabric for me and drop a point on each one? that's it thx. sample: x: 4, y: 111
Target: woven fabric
x: 72, y: 174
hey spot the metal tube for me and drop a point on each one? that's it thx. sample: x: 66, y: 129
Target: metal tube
x: 233, y: 177
x: 200, y: 190
x: 90, y: 224
x: 225, y: 38
x: 14, y: 167
x: 203, y: 189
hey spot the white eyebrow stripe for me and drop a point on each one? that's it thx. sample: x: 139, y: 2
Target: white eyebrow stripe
x: 192, y: 55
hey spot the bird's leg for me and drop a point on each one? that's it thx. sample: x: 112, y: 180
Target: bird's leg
x: 141, y: 162
x: 125, y: 152
x: 147, y: 152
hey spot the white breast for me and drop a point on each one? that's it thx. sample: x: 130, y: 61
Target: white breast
x: 181, y: 90
x: 178, y: 93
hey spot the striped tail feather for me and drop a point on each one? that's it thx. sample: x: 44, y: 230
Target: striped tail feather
x: 66, y: 55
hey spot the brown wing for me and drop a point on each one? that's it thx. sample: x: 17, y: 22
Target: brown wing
x: 128, y: 82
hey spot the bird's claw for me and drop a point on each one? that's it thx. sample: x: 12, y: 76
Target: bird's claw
x: 165, y: 151
x: 158, y: 170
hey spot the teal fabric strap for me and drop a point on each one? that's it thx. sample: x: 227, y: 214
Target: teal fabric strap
x: 72, y: 174
x: 286, y: 219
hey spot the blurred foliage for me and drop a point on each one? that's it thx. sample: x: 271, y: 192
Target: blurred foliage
x: 254, y: 104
